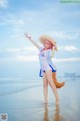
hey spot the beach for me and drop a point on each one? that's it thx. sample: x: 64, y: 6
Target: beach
x: 23, y: 101
x: 21, y: 87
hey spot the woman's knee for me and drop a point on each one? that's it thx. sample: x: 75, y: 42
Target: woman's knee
x: 45, y: 82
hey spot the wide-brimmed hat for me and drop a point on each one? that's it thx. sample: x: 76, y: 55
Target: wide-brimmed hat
x: 47, y: 37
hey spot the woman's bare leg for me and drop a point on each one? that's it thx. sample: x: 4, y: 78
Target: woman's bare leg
x: 52, y: 85
x: 45, y: 87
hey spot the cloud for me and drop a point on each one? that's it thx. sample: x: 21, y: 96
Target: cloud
x: 15, y: 21
x: 30, y: 53
x: 12, y: 19
x: 9, y: 79
x: 3, y: 3
x: 33, y: 50
x: 30, y: 50
x: 72, y: 59
x: 34, y: 58
x: 27, y: 58
x: 37, y: 21
x: 19, y: 54
x: 69, y: 48
x: 63, y: 35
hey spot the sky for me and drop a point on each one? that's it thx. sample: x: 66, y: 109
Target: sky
x: 37, y: 17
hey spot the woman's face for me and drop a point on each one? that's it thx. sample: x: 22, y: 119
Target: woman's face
x: 47, y: 44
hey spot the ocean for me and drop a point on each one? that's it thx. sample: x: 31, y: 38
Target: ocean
x: 21, y: 93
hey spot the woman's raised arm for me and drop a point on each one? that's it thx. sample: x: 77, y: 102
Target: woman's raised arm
x: 29, y: 37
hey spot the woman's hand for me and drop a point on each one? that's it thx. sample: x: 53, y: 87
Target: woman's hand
x: 55, y: 48
x: 27, y: 36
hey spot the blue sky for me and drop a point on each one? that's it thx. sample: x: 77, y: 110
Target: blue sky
x: 38, y: 17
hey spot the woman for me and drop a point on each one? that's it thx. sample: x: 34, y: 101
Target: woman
x: 46, y: 64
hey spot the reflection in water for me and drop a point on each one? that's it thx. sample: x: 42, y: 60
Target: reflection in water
x: 46, y: 113
x: 56, y: 115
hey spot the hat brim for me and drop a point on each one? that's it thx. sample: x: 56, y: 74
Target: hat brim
x: 46, y: 37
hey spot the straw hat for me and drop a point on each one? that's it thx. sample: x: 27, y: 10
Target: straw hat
x: 46, y: 37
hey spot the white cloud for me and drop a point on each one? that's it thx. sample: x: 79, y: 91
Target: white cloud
x: 15, y: 21
x: 25, y: 50
x: 34, y: 50
x: 31, y: 21
x: 34, y: 58
x: 65, y: 35
x: 30, y: 53
x: 69, y: 48
x: 11, y: 19
x: 27, y: 58
x: 72, y: 59
x: 13, y: 49
x: 9, y: 79
x: 3, y: 3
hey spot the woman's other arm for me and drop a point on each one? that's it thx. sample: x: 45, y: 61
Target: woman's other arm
x: 29, y: 37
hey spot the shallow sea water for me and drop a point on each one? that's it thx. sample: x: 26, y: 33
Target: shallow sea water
x: 23, y: 101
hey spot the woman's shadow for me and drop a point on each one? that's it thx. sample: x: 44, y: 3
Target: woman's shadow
x: 55, y: 114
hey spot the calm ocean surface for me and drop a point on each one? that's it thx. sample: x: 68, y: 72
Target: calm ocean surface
x: 22, y: 100
x: 21, y: 93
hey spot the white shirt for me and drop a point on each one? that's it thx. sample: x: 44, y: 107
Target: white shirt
x: 45, y: 60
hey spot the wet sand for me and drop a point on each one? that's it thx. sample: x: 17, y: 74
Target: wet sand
x: 23, y: 101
